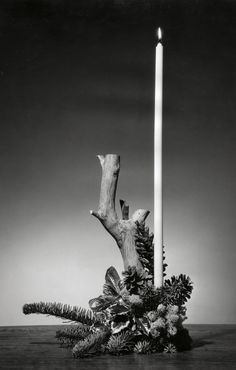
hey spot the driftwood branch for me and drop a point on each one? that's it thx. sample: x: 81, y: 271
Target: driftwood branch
x: 122, y: 230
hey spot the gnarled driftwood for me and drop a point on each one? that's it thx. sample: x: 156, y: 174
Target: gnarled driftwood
x: 123, y: 230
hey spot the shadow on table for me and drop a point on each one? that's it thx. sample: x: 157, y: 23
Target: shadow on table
x: 208, y: 338
x: 201, y: 343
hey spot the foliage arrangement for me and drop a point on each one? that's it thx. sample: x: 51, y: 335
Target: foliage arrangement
x: 131, y: 315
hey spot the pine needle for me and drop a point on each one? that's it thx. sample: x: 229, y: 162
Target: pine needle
x: 91, y: 345
x: 71, y: 335
x: 119, y: 343
x: 64, y: 311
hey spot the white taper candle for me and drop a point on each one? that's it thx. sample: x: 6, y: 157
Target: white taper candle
x: 158, y: 214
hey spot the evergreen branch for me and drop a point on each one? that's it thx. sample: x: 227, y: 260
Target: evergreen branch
x: 119, y: 343
x: 170, y: 348
x: 177, y: 290
x: 142, y: 347
x: 71, y: 335
x: 91, y: 345
x: 64, y: 311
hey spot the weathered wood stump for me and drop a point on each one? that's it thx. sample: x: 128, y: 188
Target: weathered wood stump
x: 122, y: 230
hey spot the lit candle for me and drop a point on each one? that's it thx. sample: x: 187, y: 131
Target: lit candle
x: 158, y: 223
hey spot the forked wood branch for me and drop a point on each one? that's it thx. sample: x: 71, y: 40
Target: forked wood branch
x: 122, y: 230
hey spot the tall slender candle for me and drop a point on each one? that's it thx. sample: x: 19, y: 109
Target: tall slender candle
x: 158, y: 223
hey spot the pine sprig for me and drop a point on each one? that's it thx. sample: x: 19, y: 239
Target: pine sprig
x: 120, y: 343
x: 170, y: 348
x: 91, y: 345
x: 151, y: 297
x: 64, y: 311
x: 177, y: 290
x: 73, y: 334
x: 142, y: 347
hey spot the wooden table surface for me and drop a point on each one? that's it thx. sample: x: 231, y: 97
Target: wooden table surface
x: 35, y: 347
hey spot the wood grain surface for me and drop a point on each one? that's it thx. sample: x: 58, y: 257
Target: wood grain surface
x: 35, y: 347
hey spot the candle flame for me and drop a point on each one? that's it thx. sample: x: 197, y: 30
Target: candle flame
x: 159, y: 34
